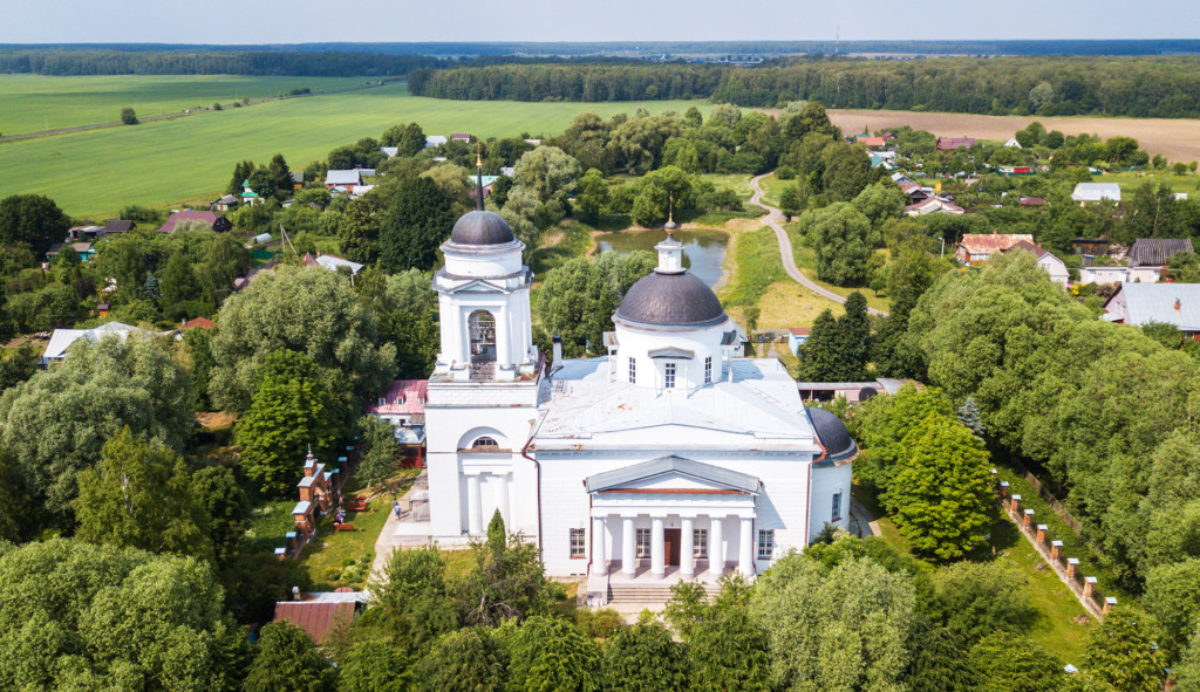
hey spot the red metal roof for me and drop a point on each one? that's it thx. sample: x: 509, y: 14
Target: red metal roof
x: 201, y: 322
x: 800, y: 331
x: 179, y: 217
x: 992, y: 242
x: 404, y: 396
x: 315, y: 617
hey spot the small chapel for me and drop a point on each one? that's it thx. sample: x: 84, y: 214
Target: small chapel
x: 668, y: 458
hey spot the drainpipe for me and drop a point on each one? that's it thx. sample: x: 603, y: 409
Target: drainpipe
x: 538, y: 466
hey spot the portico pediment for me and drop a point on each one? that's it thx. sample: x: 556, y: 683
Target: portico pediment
x: 672, y: 474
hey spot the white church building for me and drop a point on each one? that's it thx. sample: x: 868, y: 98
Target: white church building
x: 668, y: 458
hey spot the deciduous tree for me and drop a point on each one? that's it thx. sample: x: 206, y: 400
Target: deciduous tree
x: 839, y: 235
x: 287, y: 659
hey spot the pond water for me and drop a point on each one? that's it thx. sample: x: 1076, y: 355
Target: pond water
x: 703, y: 251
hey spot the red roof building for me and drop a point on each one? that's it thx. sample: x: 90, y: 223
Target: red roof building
x: 403, y: 405
x: 319, y: 614
x: 952, y: 143
x: 208, y: 218
x: 198, y: 323
x: 976, y: 248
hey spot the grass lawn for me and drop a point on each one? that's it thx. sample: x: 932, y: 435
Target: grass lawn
x: 34, y: 103
x: 330, y: 553
x: 95, y: 173
x: 773, y: 188
x: 1131, y: 181
x: 1055, y: 628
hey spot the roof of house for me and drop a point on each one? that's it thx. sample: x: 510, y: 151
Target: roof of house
x: 298, y: 177
x: 800, y: 331
x: 199, y: 323
x: 434, y: 140
x: 1177, y: 304
x: 333, y: 263
x: 947, y: 143
x: 1028, y: 247
x: 872, y: 141
x: 933, y: 205
x: 118, y: 226
x: 460, y: 135
x: 1094, y: 192
x: 1032, y: 201
x: 403, y: 397
x: 343, y: 177
x: 390, y: 152
x: 62, y: 339
x: 1153, y: 252
x: 317, y: 617
x: 208, y: 217
x: 227, y: 199
x: 986, y: 243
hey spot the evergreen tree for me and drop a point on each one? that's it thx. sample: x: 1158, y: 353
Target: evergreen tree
x: 419, y: 220
x: 150, y: 289
x: 819, y: 357
x: 968, y: 415
x: 548, y: 653
x: 644, y: 657
x: 837, y: 350
x: 1004, y: 662
x: 940, y: 496
x: 241, y: 173
x: 468, y: 659
x: 290, y: 411
x: 854, y: 337
x: 1122, y: 652
x: 288, y: 660
x: 281, y: 175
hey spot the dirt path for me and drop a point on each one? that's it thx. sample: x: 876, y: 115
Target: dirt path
x: 774, y: 219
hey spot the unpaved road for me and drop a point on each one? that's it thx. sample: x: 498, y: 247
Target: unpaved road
x: 774, y: 219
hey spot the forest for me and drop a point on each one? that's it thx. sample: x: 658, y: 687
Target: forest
x: 1166, y: 87
x: 64, y: 61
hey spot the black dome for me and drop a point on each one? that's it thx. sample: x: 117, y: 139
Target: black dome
x: 481, y: 228
x: 682, y: 300
x: 832, y: 434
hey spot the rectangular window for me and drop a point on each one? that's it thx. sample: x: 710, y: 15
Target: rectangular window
x: 836, y: 514
x: 766, y: 543
x: 700, y: 543
x: 669, y: 380
x: 632, y: 370
x: 643, y: 542
x: 578, y: 543
x: 708, y: 370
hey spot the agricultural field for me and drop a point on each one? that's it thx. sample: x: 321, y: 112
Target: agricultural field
x: 1178, y: 139
x: 97, y: 172
x: 35, y: 103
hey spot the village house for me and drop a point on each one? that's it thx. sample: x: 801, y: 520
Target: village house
x: 322, y: 613
x: 668, y: 458
x: 1140, y: 304
x: 297, y: 180
x: 852, y: 392
x: 224, y: 203
x: 331, y: 262
x: 977, y: 248
x: 432, y: 141
x: 463, y: 137
x: 61, y: 339
x: 211, y: 219
x: 403, y: 406
x: 1053, y: 266
x: 344, y: 178
x: 933, y: 205
x: 953, y: 143
x: 1086, y: 193
x: 797, y: 336
x: 115, y: 226
x: 1148, y: 257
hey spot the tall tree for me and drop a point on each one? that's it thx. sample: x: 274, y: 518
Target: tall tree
x: 583, y: 295
x: 241, y: 173
x: 414, y: 599
x: 1122, y: 652
x: 140, y: 496
x: 468, y: 659
x: 287, y: 659
x: 79, y: 616
x: 223, y: 502
x: 837, y: 350
x: 839, y: 235
x: 32, y: 220
x: 507, y: 582
x: 291, y: 410
x: 551, y: 654
x: 281, y: 176
x: 644, y: 657
x: 58, y: 421
x: 1004, y: 662
x: 303, y: 309
x: 940, y: 495
x: 418, y: 221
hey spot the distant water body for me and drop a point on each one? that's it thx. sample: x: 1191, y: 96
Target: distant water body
x: 703, y: 251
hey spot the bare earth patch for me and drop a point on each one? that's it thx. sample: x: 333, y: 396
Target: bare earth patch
x: 1176, y: 138
x: 212, y: 420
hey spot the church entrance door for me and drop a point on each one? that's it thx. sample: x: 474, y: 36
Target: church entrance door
x: 671, y: 543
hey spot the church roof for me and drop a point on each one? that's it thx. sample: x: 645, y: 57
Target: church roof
x: 481, y: 228
x: 681, y: 300
x: 759, y: 408
x: 622, y: 477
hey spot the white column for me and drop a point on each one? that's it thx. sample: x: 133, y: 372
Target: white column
x: 658, y: 566
x: 716, y: 547
x: 599, y: 554
x: 502, y: 500
x: 474, y: 508
x: 628, y: 546
x: 746, y: 548
x: 503, y: 337
x: 687, y: 549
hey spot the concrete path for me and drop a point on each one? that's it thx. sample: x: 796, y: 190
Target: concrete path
x: 775, y: 218
x: 388, y: 540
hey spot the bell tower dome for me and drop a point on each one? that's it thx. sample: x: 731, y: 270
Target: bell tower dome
x: 483, y: 301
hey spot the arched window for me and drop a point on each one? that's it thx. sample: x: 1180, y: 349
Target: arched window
x: 482, y: 328
x: 484, y: 441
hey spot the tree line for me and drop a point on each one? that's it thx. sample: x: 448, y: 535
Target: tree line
x: 63, y: 62
x: 1111, y: 86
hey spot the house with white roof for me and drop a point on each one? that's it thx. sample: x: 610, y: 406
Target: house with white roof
x: 332, y: 263
x: 432, y: 141
x: 1096, y: 192
x: 668, y: 458
x: 1141, y: 304
x: 62, y: 339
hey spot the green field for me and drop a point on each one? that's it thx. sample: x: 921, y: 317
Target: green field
x: 35, y: 103
x: 1131, y: 181
x: 97, y: 172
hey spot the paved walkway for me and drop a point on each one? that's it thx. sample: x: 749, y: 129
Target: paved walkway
x: 775, y: 218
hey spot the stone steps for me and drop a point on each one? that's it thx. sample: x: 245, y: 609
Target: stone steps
x: 646, y: 593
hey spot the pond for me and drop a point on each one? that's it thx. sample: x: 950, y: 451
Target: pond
x: 703, y: 251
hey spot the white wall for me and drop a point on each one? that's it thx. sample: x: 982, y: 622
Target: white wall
x: 826, y: 481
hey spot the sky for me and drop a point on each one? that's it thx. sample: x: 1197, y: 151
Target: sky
x: 307, y: 21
